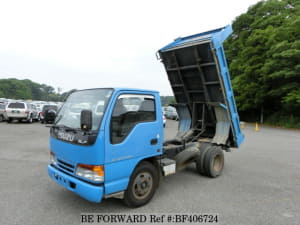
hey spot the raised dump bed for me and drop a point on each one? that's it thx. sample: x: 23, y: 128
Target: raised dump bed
x: 198, y: 73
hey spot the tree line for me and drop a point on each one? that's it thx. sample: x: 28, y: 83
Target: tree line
x: 28, y: 90
x: 263, y: 54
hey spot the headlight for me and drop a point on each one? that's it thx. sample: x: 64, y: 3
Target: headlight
x: 52, y: 158
x: 94, y: 173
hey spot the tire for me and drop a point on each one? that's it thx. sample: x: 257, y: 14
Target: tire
x: 9, y: 120
x: 214, y: 162
x: 201, y: 157
x: 142, y: 185
x: 1, y: 118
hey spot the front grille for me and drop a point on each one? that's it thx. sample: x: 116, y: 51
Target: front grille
x: 67, y: 167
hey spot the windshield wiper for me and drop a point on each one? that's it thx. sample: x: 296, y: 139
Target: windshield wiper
x: 75, y: 130
x: 66, y: 128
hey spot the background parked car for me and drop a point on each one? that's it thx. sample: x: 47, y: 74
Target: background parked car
x: 39, y: 108
x: 20, y: 111
x: 35, y: 112
x: 171, y: 113
x: 3, y: 116
x: 48, y: 114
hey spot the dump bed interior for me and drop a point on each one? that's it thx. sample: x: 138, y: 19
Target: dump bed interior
x: 199, y: 77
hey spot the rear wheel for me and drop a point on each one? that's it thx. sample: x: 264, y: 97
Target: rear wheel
x: 211, y: 161
x: 201, y: 157
x: 1, y: 118
x: 214, y: 162
x: 9, y: 120
x: 142, y: 185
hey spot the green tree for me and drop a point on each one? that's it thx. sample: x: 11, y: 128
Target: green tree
x: 264, y: 58
x: 26, y: 89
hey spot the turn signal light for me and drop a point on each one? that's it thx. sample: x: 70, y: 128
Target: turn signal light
x: 98, y: 169
x: 92, y: 172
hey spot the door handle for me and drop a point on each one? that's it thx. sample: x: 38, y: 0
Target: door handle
x: 153, y: 141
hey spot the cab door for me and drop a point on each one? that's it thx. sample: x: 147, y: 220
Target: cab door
x: 135, y: 131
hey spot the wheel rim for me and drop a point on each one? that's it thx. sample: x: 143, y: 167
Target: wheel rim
x: 142, y: 185
x: 217, y: 163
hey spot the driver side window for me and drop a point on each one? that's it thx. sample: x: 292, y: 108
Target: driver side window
x: 130, y: 110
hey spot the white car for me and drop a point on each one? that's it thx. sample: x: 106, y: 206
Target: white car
x: 171, y: 113
x: 20, y: 111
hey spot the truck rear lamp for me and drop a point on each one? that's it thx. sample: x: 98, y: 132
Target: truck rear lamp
x: 52, y: 158
x: 26, y: 112
x: 94, y: 173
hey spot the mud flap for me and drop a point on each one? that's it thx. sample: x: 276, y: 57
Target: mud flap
x: 223, y: 124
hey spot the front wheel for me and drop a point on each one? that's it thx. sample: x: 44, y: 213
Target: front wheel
x: 142, y: 185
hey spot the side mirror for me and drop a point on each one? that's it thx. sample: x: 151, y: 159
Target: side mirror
x: 86, y: 120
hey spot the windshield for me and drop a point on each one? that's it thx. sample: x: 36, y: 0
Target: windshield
x: 94, y: 100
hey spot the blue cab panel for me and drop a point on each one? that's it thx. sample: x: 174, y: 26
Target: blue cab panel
x: 121, y: 158
x: 198, y: 73
x: 118, y: 158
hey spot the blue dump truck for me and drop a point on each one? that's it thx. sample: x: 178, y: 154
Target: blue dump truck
x: 109, y: 142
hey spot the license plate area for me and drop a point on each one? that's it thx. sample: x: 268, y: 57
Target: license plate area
x: 61, y: 180
x: 15, y: 111
x: 64, y: 182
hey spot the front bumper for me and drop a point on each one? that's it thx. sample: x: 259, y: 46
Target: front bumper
x: 88, y: 191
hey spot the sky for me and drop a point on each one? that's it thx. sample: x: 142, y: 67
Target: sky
x: 93, y: 43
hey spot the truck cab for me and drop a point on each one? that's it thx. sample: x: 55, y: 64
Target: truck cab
x: 109, y: 142
x: 100, y: 136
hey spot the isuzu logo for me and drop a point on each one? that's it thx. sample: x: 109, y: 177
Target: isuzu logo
x: 65, y: 136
